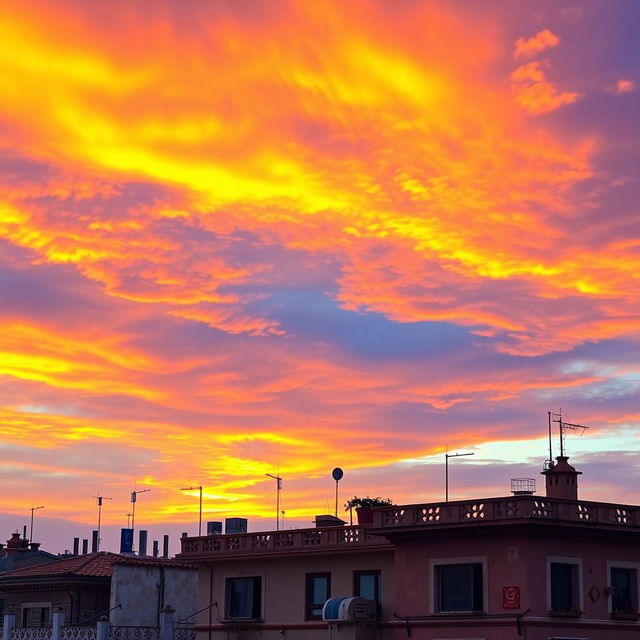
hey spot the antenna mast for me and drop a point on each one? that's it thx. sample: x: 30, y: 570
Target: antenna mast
x: 563, y: 427
x: 100, y: 498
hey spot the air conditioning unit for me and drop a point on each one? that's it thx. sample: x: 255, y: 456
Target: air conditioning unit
x: 349, y: 609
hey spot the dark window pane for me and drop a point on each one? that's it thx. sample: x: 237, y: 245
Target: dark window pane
x: 563, y: 586
x: 459, y: 587
x: 624, y: 582
x: 243, y: 599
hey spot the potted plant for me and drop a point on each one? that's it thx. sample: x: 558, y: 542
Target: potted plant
x: 363, y: 507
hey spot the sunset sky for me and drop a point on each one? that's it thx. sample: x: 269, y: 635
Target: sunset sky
x: 241, y: 237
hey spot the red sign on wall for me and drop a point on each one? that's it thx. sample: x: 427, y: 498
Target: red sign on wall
x: 510, y: 597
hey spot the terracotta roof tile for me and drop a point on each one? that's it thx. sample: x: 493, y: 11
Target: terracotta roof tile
x: 92, y: 564
x: 154, y: 562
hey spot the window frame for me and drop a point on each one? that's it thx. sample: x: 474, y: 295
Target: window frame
x: 632, y: 566
x: 256, y: 613
x: 44, y: 618
x: 434, y: 600
x: 377, y: 588
x: 578, y: 584
x: 309, y: 605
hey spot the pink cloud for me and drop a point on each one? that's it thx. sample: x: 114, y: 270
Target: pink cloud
x: 542, y: 40
x: 623, y: 86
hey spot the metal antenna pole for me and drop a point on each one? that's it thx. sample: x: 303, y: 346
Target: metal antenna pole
x: 133, y: 510
x: 199, y: 488
x: 563, y: 426
x: 550, y: 442
x: 278, y: 480
x: 446, y: 469
x: 31, y: 530
x: 100, y: 498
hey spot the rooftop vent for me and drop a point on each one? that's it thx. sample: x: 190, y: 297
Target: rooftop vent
x: 328, y: 521
x: 523, y: 486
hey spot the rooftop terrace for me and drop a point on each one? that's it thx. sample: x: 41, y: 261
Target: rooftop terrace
x: 426, y: 516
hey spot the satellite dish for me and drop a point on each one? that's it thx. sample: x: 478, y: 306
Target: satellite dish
x: 337, y: 474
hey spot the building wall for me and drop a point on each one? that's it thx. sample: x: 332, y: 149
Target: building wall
x: 77, y: 602
x: 283, y: 591
x: 142, y: 591
x: 519, y: 560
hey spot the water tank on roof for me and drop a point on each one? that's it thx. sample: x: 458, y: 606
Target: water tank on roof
x: 235, y: 525
x: 349, y: 609
x: 523, y: 486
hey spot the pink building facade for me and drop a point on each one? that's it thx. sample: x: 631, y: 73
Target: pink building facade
x: 522, y: 566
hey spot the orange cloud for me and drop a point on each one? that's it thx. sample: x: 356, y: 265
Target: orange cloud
x: 187, y: 178
x: 535, y: 94
x: 540, y: 42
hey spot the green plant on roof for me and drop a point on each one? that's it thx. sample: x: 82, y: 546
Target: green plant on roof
x: 366, y: 503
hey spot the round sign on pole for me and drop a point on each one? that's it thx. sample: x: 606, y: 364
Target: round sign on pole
x: 337, y: 474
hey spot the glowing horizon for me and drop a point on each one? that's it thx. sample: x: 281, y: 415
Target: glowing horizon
x: 240, y: 237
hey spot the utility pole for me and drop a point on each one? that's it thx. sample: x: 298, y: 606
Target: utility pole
x: 337, y: 474
x: 134, y: 495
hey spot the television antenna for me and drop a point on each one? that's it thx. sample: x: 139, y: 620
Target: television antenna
x: 278, y: 480
x: 563, y: 427
x: 100, y: 498
x: 32, y: 509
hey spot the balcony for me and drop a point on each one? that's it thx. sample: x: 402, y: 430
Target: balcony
x: 496, y: 510
x: 319, y: 539
x: 492, y: 511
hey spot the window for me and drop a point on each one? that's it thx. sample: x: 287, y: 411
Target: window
x: 459, y: 587
x: 36, y: 614
x: 624, y: 597
x: 564, y: 591
x: 244, y: 598
x: 366, y: 584
x: 318, y: 591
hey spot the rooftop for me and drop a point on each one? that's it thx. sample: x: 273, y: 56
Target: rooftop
x: 434, y: 516
x: 92, y: 564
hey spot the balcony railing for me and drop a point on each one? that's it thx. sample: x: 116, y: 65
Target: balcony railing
x: 528, y: 507
x: 281, y: 541
x: 437, y: 514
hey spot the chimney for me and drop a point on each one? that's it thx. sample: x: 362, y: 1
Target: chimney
x: 76, y: 546
x: 94, y: 542
x: 15, y: 545
x: 34, y: 546
x: 562, y: 480
x: 155, y: 549
x: 165, y: 546
x: 142, y: 544
x: 85, y: 546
